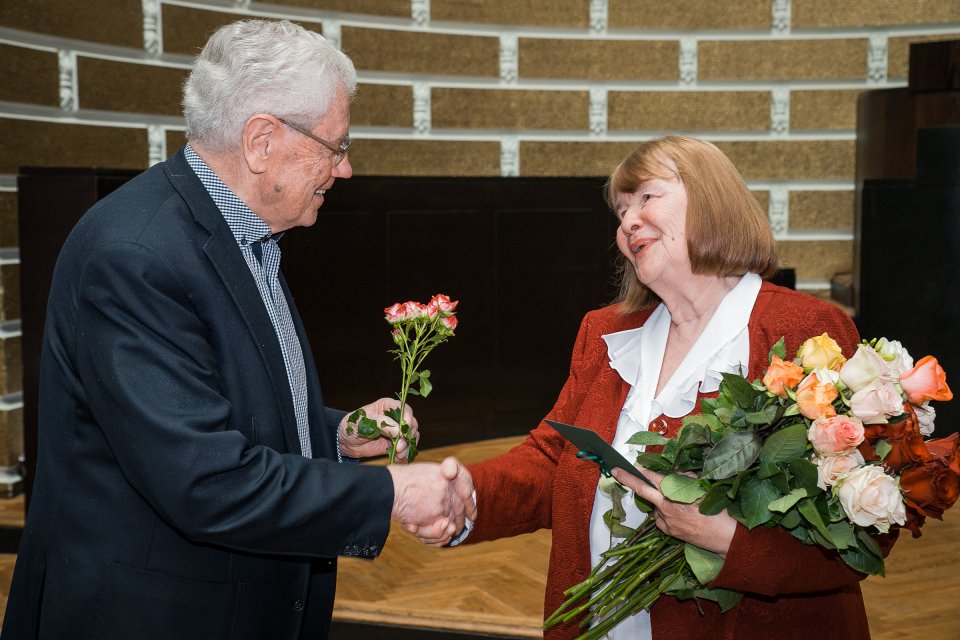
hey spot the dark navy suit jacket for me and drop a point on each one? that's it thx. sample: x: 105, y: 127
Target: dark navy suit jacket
x: 171, y: 499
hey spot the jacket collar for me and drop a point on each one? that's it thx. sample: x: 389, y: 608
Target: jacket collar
x: 225, y: 256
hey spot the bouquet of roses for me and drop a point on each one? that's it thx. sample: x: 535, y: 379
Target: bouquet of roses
x: 831, y: 450
x: 417, y: 329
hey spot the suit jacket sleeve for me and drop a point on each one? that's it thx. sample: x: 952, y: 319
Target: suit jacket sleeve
x: 150, y: 377
x: 769, y: 561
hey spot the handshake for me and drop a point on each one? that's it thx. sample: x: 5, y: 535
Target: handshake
x: 432, y: 500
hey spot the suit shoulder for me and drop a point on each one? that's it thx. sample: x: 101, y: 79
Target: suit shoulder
x: 126, y: 215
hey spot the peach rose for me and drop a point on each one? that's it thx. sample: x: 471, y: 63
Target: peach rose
x: 871, y: 497
x: 831, y: 468
x: 820, y: 352
x: 815, y: 399
x: 876, y: 403
x: 782, y: 375
x: 926, y: 381
x: 836, y: 435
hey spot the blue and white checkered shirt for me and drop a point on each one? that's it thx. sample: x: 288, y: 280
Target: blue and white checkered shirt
x: 260, y: 250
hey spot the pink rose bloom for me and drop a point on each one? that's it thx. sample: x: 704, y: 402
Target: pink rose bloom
x: 830, y: 469
x: 450, y: 322
x: 835, y: 436
x: 871, y: 497
x: 443, y: 303
x: 876, y: 403
x: 395, y: 313
x: 413, y: 310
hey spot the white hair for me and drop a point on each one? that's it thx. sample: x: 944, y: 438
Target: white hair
x: 261, y: 66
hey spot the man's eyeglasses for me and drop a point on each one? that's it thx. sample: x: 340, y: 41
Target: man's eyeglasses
x: 339, y: 150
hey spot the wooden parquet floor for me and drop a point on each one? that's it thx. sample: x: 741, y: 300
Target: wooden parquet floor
x: 497, y: 587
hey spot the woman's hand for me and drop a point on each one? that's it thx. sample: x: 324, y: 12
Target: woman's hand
x: 682, y: 521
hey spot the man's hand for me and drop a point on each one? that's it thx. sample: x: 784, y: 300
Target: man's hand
x: 432, y: 500
x: 355, y: 446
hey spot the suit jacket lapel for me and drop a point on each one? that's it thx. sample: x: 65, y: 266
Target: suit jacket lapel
x: 222, y: 251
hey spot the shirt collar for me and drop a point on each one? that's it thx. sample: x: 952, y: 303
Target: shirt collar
x: 246, y: 226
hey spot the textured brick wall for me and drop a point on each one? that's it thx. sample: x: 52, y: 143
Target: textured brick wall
x: 498, y: 87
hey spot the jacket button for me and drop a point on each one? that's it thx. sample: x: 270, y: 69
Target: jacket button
x: 298, y: 605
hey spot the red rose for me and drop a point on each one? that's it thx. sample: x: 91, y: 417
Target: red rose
x: 910, y: 449
x: 948, y: 450
x: 914, y: 521
x: 930, y: 488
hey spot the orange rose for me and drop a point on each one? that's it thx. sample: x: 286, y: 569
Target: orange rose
x: 815, y: 399
x: 930, y: 488
x: 926, y: 381
x: 782, y: 375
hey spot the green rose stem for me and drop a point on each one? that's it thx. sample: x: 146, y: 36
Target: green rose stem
x: 410, y: 361
x: 649, y: 552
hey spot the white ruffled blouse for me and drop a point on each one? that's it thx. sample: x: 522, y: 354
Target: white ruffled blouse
x: 637, y: 355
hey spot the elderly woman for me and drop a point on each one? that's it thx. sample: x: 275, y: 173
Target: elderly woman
x: 693, y: 305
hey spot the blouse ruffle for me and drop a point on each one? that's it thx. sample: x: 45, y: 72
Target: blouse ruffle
x: 723, y: 347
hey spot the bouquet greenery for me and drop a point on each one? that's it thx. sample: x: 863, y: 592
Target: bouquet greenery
x: 831, y: 450
x: 417, y: 329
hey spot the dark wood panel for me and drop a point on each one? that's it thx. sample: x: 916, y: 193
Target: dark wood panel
x: 525, y: 257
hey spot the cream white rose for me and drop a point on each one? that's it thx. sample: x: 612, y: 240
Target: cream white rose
x: 830, y: 468
x: 828, y: 375
x: 926, y: 414
x: 865, y: 368
x: 897, y: 358
x: 871, y: 497
x: 876, y: 403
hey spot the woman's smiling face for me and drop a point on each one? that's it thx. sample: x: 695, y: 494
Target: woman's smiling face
x: 652, y: 233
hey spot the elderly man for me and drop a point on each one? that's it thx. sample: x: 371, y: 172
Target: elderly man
x: 191, y: 483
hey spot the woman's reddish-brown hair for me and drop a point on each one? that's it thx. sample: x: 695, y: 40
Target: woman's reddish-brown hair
x: 727, y: 231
